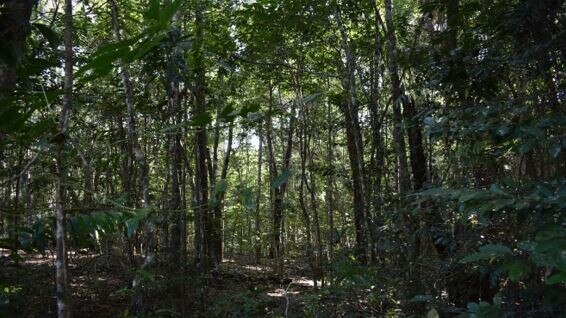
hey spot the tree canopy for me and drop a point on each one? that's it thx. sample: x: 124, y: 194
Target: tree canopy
x: 252, y: 158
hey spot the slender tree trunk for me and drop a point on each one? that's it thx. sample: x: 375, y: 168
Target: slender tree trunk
x: 201, y: 141
x: 416, y: 149
x: 272, y: 169
x: 257, y: 229
x: 376, y: 120
x: 304, y: 210
x: 62, y: 280
x: 216, y: 238
x: 396, y: 95
x: 136, y: 154
x: 354, y: 140
x: 329, y: 181
x: 311, y: 186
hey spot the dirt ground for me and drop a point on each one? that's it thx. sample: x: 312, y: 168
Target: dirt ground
x: 100, y: 288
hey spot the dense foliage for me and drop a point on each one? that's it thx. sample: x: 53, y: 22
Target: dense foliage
x: 408, y: 157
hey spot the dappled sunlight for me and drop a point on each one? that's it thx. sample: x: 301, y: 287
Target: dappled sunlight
x: 280, y: 292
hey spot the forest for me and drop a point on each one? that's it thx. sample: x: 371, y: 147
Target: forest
x: 283, y: 158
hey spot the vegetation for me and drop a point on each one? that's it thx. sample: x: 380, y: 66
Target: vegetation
x: 251, y: 158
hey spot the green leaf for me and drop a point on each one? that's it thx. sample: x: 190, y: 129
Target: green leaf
x: 48, y: 34
x: 201, y: 120
x: 167, y: 13
x: 488, y: 252
x: 557, y: 279
x: 152, y: 13
x: 516, y: 269
x: 147, y: 46
x: 220, y: 187
x: 421, y: 298
x: 527, y: 246
x: 281, y: 179
x: 310, y: 98
x: 496, y: 249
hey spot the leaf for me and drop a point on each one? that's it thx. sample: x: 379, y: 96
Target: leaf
x: 527, y: 147
x: 557, y: 279
x: 48, y: 34
x: 147, y: 46
x: 249, y: 108
x: 420, y: 298
x: 310, y: 98
x: 152, y: 12
x: 555, y: 150
x: 527, y: 246
x: 167, y: 13
x: 516, y: 269
x: 246, y: 196
x: 133, y: 224
x: 281, y: 179
x: 432, y: 313
x: 496, y: 249
x: 220, y: 187
x: 201, y: 120
x: 487, y: 252
x: 228, y: 114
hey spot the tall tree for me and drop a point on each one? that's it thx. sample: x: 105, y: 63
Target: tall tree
x: 354, y: 140
x: 61, y: 267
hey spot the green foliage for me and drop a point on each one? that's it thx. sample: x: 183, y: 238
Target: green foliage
x: 281, y: 179
x: 12, y: 299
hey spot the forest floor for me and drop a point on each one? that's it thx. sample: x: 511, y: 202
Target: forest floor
x: 237, y: 288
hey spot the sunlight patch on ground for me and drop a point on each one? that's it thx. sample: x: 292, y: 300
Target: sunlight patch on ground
x: 303, y: 281
x: 258, y: 268
x: 280, y: 292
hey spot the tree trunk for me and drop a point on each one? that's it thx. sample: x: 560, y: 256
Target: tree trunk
x: 13, y: 38
x: 216, y: 238
x: 329, y: 180
x: 396, y: 95
x: 62, y: 280
x: 354, y: 141
x: 201, y: 141
x: 257, y: 229
x: 304, y: 210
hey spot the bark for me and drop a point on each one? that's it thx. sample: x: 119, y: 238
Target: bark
x: 376, y: 121
x: 416, y: 149
x: 257, y: 229
x: 304, y: 210
x: 15, y: 26
x: 272, y: 167
x: 354, y: 142
x: 396, y: 94
x: 278, y: 204
x: 311, y: 186
x: 201, y: 141
x: 329, y: 182
x: 216, y: 238
x: 61, y: 274
x: 136, y: 152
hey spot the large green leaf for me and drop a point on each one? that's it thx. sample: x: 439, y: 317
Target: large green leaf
x: 51, y: 36
x: 281, y: 179
x: 488, y: 252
